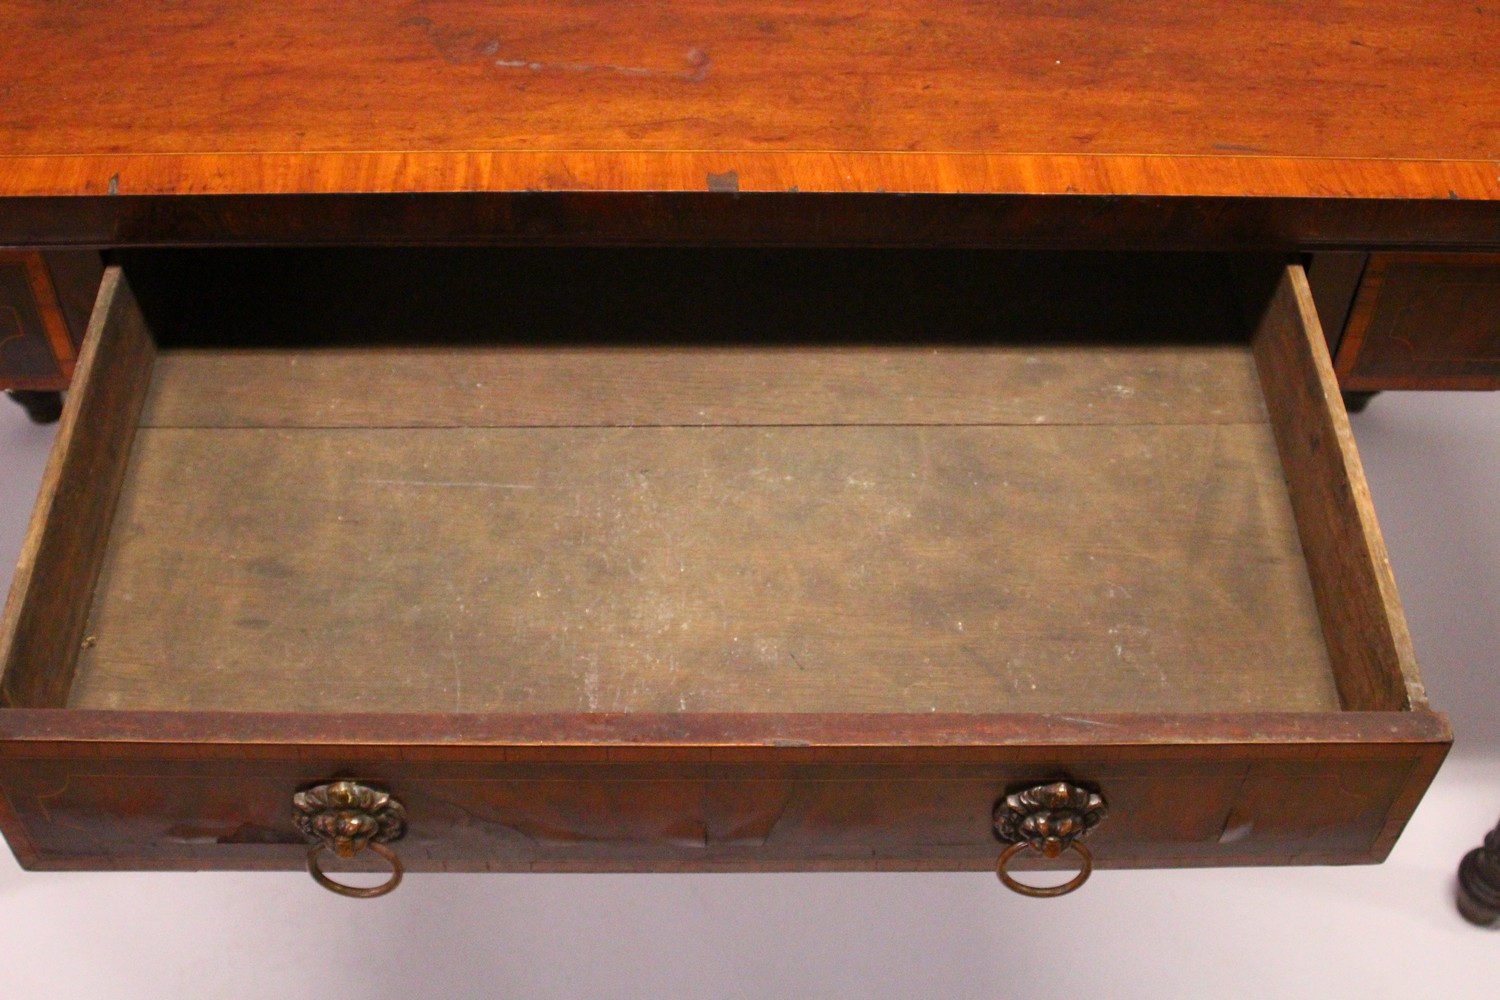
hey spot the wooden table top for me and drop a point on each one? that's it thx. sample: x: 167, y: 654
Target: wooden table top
x: 1380, y: 99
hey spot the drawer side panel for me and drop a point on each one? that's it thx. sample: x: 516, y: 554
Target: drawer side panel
x: 42, y: 628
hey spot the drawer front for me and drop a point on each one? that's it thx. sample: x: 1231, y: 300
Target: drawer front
x: 1424, y: 321
x: 45, y: 300
x: 36, y: 351
x: 166, y: 807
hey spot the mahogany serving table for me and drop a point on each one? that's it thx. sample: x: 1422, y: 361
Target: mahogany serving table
x: 727, y: 435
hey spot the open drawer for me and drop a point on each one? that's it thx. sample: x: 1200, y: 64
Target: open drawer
x: 691, y: 559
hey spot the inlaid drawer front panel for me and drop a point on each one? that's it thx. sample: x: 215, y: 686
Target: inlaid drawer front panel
x: 1424, y: 321
x: 35, y: 349
x: 45, y: 301
x: 608, y: 559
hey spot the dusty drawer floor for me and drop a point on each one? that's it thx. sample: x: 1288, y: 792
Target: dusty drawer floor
x: 1117, y: 537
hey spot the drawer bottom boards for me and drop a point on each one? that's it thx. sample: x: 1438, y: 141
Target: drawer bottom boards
x: 587, y: 588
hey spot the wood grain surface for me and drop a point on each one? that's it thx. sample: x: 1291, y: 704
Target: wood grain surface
x: 674, y: 792
x: 1424, y: 321
x: 1239, y: 806
x: 859, y: 763
x: 1378, y: 99
x: 66, y: 539
x: 1100, y: 568
x: 1365, y: 627
x: 606, y: 509
x: 37, y: 349
x: 675, y: 336
x: 703, y: 386
x: 593, y: 218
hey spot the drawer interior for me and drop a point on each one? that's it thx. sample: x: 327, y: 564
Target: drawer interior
x: 692, y: 480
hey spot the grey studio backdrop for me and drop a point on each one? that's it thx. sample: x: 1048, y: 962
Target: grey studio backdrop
x: 1433, y: 462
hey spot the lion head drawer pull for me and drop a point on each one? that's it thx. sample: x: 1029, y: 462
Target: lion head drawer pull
x: 1050, y: 819
x: 346, y: 817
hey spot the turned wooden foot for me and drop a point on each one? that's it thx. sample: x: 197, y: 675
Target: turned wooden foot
x: 1479, y: 882
x: 1355, y: 402
x: 41, y: 407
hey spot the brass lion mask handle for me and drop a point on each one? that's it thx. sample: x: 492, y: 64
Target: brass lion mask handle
x: 347, y: 817
x: 1049, y: 818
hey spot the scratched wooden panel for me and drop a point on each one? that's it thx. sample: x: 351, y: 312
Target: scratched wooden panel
x: 1368, y: 640
x: 66, y: 540
x: 519, y: 386
x: 1121, y: 567
x: 67, y: 813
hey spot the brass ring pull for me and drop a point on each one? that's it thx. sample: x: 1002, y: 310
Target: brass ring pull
x: 1044, y: 892
x: 1048, y: 819
x: 347, y: 817
x: 358, y: 892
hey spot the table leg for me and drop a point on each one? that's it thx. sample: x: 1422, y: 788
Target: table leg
x: 1479, y: 882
